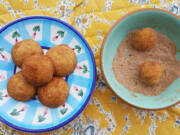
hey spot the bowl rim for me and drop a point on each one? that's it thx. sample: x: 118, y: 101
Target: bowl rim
x: 93, y: 83
x: 102, y: 48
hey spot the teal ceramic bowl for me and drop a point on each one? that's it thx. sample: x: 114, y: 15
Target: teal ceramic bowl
x: 163, y: 22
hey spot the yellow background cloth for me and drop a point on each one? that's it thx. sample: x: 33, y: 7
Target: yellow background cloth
x: 105, y: 113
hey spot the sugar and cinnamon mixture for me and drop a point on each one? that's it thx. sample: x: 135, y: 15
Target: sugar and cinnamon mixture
x: 127, y: 61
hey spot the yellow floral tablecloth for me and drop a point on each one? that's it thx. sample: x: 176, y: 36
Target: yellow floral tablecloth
x: 105, y: 114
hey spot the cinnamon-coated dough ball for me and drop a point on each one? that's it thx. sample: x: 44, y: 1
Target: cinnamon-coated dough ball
x: 151, y: 73
x: 144, y: 39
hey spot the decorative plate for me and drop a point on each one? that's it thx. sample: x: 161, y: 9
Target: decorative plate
x: 32, y: 116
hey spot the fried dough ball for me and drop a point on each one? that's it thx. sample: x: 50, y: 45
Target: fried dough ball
x: 54, y: 93
x: 38, y: 69
x: 63, y: 58
x: 144, y: 39
x: 19, y: 89
x: 151, y: 73
x: 23, y: 49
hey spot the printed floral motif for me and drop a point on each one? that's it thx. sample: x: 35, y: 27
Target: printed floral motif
x: 96, y: 47
x: 77, y: 48
x: 141, y: 115
x: 7, y: 5
x: 65, y: 9
x: 3, y: 75
x: 25, y: 1
x: 83, y: 68
x: 2, y: 55
x: 141, y: 2
x: 64, y: 109
x: 3, y: 96
x: 100, y: 83
x: 16, y: 35
x: 114, y: 99
x: 80, y: 91
x: 91, y: 126
x: 108, y: 5
x: 177, y: 106
x: 153, y: 116
x: 35, y: 30
x: 16, y: 112
x: 59, y: 34
x: 127, y: 126
x: 42, y: 117
x: 77, y: 91
x: 173, y: 7
x: 177, y: 122
x: 83, y: 21
x: 109, y: 115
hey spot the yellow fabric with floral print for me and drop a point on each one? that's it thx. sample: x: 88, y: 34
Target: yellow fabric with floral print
x: 105, y: 114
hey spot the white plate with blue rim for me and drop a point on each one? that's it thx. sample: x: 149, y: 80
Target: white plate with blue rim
x: 32, y: 116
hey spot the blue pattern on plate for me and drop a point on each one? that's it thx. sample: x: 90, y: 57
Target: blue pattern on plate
x: 83, y: 77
